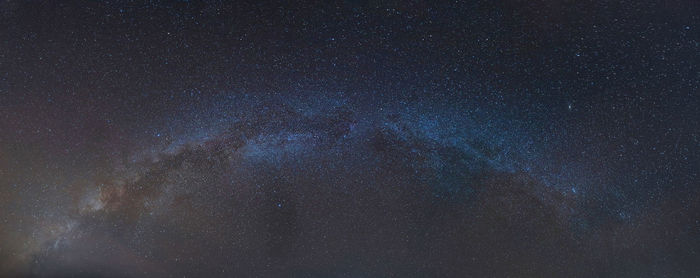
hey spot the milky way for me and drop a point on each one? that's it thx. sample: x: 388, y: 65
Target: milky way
x: 210, y: 139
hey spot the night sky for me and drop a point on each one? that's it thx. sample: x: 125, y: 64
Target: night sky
x: 545, y: 138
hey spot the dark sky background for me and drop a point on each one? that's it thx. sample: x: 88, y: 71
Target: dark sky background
x: 543, y: 138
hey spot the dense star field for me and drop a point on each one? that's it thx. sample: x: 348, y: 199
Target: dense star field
x: 542, y: 138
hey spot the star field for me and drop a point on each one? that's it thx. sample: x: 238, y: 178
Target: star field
x: 349, y: 139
